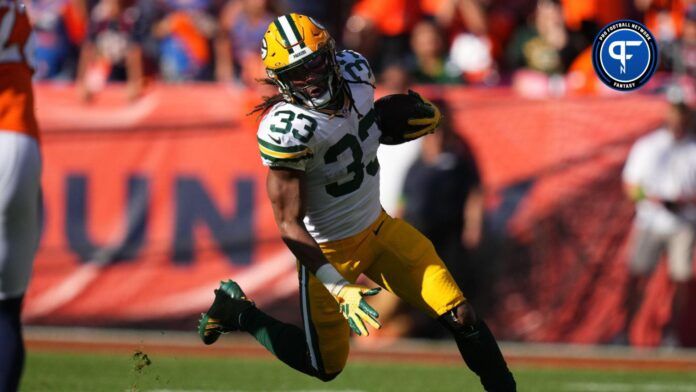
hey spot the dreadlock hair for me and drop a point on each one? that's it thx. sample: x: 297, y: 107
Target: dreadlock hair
x: 267, y: 101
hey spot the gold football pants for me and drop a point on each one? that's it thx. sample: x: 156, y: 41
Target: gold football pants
x: 394, y: 255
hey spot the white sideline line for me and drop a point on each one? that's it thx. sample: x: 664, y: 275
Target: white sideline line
x: 626, y: 387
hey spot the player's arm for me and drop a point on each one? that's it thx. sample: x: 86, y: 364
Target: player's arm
x: 286, y: 189
x: 636, y: 193
x: 634, y: 172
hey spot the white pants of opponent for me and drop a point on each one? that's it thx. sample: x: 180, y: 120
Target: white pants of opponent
x: 20, y: 172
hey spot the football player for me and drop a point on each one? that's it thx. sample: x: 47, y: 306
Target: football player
x: 319, y: 139
x: 20, y: 169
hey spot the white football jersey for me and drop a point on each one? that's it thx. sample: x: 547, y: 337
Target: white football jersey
x: 338, y: 154
x: 665, y: 168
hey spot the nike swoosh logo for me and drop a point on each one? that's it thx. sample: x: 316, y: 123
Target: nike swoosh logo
x: 274, y: 139
x: 376, y: 231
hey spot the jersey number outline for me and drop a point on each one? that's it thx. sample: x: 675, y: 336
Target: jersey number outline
x: 303, y: 135
x: 355, y: 63
x: 357, y: 167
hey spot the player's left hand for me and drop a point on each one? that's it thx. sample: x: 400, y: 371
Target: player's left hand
x: 356, y: 310
x: 427, y: 124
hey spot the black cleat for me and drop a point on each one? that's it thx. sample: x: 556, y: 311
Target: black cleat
x: 223, y: 315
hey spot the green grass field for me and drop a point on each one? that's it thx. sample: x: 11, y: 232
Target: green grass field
x: 50, y: 371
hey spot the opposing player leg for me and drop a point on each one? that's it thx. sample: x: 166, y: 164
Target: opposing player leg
x: 12, y: 353
x: 20, y: 168
x: 319, y: 350
x: 408, y: 265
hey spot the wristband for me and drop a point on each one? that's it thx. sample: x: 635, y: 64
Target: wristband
x: 332, y: 280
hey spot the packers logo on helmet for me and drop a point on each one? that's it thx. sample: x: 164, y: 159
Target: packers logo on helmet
x: 264, y: 49
x: 300, y: 58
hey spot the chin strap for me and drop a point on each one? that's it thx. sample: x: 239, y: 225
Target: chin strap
x: 350, y: 94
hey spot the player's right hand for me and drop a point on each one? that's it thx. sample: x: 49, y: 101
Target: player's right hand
x: 429, y: 122
x: 355, y: 309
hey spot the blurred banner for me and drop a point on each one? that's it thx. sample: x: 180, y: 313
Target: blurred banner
x: 148, y: 205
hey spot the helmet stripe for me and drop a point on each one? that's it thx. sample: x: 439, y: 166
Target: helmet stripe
x: 280, y: 29
x: 290, y: 33
x: 295, y: 31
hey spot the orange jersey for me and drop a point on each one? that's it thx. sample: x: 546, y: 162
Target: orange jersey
x: 16, y: 95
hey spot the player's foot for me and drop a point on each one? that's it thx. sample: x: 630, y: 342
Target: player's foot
x: 223, y: 315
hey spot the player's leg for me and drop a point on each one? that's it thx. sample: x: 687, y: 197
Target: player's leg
x: 320, y: 350
x: 408, y: 265
x: 647, y: 250
x: 20, y: 168
x: 12, y: 353
x: 680, y: 252
x: 327, y: 332
x: 233, y: 311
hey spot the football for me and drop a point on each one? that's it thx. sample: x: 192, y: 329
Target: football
x: 393, y: 113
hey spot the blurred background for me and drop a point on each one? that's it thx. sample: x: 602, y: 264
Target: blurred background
x: 154, y: 190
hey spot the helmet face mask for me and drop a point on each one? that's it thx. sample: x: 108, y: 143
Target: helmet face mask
x: 314, y: 81
x: 304, y: 66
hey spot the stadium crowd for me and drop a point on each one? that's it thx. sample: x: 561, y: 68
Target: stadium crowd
x: 536, y: 45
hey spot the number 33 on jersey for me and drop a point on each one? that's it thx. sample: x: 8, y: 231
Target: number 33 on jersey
x: 337, y: 153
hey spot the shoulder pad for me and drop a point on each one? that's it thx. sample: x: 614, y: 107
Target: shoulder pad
x: 285, y: 137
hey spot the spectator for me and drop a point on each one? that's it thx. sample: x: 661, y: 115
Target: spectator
x: 184, y: 35
x: 464, y: 23
x: 395, y: 79
x: 502, y: 20
x: 379, y: 29
x: 429, y: 60
x: 330, y: 13
x: 663, y: 17
x: 660, y: 177
x: 544, y: 44
x: 577, y: 13
x: 471, y: 56
x: 59, y: 28
x: 443, y: 198
x: 471, y: 13
x: 112, y: 51
x: 242, y: 26
x: 680, y: 57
